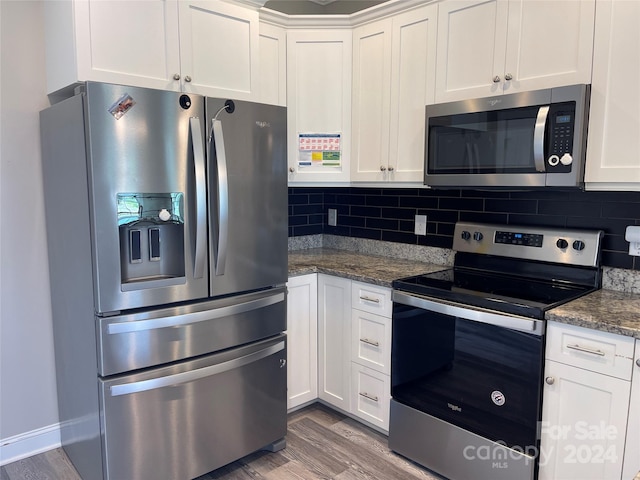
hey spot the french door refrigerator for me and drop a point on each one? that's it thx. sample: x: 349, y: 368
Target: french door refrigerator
x: 167, y: 234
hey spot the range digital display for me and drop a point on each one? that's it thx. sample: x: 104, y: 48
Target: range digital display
x: 517, y: 238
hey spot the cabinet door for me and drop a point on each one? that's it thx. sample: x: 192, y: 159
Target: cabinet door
x: 584, y: 418
x: 631, y: 464
x: 273, y: 65
x: 549, y: 43
x: 412, y: 87
x: 219, y: 49
x: 302, y: 340
x: 370, y: 395
x: 467, y: 63
x: 613, y: 144
x: 371, y: 97
x: 371, y: 341
x: 334, y: 337
x: 319, y: 101
x: 131, y: 43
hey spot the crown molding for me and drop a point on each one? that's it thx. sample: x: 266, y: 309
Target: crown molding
x: 340, y: 21
x: 250, y: 3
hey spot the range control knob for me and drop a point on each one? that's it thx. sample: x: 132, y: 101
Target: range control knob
x: 465, y: 235
x: 477, y: 236
x: 578, y: 245
x: 562, y: 243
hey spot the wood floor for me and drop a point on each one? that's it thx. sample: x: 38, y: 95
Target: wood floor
x: 321, y: 444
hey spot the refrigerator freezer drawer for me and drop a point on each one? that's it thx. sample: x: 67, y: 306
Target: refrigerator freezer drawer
x: 134, y: 341
x: 187, y: 419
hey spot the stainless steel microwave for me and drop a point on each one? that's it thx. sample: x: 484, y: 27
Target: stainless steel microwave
x: 521, y: 140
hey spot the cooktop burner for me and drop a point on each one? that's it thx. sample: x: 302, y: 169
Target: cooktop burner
x: 518, y: 270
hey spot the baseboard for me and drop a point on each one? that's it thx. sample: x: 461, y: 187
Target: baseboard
x: 29, y: 443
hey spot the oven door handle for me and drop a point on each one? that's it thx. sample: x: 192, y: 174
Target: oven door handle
x: 521, y: 324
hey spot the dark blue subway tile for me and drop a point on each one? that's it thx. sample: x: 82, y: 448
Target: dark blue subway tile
x: 382, y: 223
x: 365, y: 211
x: 399, y: 237
x: 366, y: 233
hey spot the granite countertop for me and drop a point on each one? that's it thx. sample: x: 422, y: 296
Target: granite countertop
x: 606, y: 310
x: 374, y: 269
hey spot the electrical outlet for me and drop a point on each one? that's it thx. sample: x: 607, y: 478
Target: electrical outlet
x: 421, y: 225
x: 333, y: 217
x: 634, y: 249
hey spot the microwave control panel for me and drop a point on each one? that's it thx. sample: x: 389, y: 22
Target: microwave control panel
x: 560, y: 137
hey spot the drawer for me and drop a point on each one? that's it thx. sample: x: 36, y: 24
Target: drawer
x: 599, y: 352
x: 370, y: 395
x: 371, y: 340
x: 371, y: 298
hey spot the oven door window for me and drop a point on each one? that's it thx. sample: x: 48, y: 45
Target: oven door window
x: 485, y: 142
x: 483, y: 378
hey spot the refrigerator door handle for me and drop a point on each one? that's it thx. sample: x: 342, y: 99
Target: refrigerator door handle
x: 195, y: 317
x: 201, y: 198
x: 223, y: 197
x: 192, y: 375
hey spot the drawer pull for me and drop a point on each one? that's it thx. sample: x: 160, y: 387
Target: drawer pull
x: 550, y: 380
x: 368, y: 396
x: 370, y: 342
x: 369, y: 299
x: 579, y: 348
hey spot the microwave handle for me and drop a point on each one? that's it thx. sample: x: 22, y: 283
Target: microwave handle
x: 538, y: 138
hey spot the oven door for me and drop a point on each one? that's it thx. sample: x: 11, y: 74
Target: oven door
x: 469, y: 374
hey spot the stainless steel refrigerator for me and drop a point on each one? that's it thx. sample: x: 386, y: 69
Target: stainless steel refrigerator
x: 167, y: 233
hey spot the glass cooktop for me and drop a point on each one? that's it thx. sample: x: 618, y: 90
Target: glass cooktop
x: 502, y: 292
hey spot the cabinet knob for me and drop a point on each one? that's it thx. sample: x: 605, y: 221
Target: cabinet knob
x: 508, y: 77
x: 383, y: 168
x: 496, y: 79
x: 292, y: 170
x: 187, y: 78
x: 638, y: 362
x: 390, y: 168
x: 550, y: 380
x: 176, y: 76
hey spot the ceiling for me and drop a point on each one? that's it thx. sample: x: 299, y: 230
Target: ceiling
x: 320, y: 7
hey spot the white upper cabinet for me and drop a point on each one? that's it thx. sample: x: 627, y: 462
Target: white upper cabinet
x: 319, y: 104
x: 207, y: 47
x: 273, y: 65
x: 516, y: 45
x: 613, y: 144
x: 133, y: 43
x: 219, y: 47
x: 393, y: 80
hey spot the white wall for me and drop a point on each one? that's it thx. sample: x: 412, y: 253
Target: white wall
x: 28, y: 405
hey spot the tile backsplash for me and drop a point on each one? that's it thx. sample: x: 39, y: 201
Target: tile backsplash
x: 387, y: 214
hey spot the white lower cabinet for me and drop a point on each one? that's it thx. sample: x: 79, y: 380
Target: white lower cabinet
x: 370, y: 395
x: 302, y: 340
x: 334, y: 340
x: 631, y: 464
x: 371, y: 354
x: 349, y: 366
x: 585, y: 404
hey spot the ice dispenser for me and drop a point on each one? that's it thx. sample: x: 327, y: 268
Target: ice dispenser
x: 151, y: 227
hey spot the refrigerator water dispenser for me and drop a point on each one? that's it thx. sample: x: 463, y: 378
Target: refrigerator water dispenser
x: 151, y: 230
